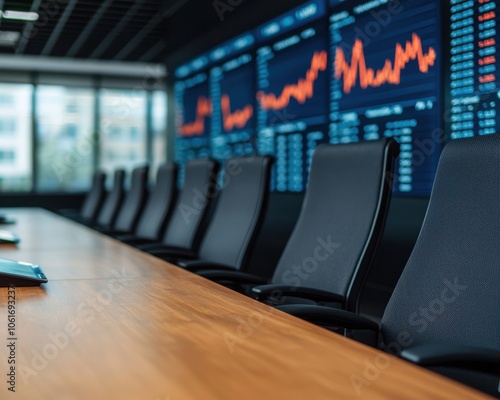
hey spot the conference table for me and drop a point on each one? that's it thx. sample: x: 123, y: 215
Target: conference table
x: 116, y: 323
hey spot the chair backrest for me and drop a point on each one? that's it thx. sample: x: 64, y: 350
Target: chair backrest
x: 159, y: 203
x: 185, y: 226
x: 134, y: 201
x: 239, y: 211
x: 449, y: 289
x: 341, y: 220
x: 95, y: 197
x: 111, y: 206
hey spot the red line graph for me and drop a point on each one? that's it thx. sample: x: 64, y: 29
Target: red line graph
x: 197, y: 127
x: 390, y: 74
x: 238, y: 118
x: 300, y: 91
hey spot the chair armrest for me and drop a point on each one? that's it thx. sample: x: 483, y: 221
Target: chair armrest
x: 334, y: 317
x: 99, y: 228
x: 232, y: 276
x: 263, y: 292
x: 200, y: 265
x: 65, y: 212
x: 172, y: 253
x: 134, y: 240
x: 78, y: 218
x: 151, y: 246
x: 68, y: 211
x: 126, y: 237
x: 433, y: 355
x: 114, y: 233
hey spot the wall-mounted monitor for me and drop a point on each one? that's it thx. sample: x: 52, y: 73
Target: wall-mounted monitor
x: 325, y: 72
x: 473, y: 86
x: 292, y: 92
x: 232, y: 88
x: 194, y: 114
x: 387, y: 82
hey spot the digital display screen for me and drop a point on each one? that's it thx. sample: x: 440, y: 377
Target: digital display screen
x: 194, y: 113
x: 331, y: 72
x: 292, y: 93
x: 215, y: 103
x: 473, y: 90
x: 233, y: 120
x: 387, y: 82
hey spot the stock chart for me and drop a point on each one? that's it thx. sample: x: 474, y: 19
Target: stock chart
x: 233, y: 121
x: 386, y: 82
x: 339, y: 72
x: 292, y: 75
x: 193, y: 116
x: 473, y: 88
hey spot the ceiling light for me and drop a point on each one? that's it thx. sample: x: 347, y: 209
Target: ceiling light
x: 9, y: 38
x: 20, y: 15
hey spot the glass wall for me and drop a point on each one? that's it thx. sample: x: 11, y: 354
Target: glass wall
x: 16, y: 170
x: 57, y: 145
x: 122, y: 129
x: 65, y: 125
x: 159, y: 129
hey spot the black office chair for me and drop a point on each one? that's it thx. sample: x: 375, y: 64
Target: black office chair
x: 113, y: 202
x: 92, y: 203
x: 133, y: 203
x: 192, y: 208
x: 157, y: 209
x: 237, y: 218
x: 95, y: 197
x: 328, y: 255
x: 443, y: 313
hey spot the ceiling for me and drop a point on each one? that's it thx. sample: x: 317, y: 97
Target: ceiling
x: 128, y: 30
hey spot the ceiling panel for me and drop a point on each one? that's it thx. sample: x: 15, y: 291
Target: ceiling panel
x: 125, y: 30
x: 129, y: 30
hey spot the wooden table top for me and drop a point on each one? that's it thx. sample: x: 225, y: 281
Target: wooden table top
x: 115, y: 323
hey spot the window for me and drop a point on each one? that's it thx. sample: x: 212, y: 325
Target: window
x: 6, y: 99
x: 159, y: 127
x: 122, y: 129
x: 66, y: 142
x: 71, y: 131
x: 72, y: 107
x: 7, y: 156
x: 15, y: 133
x: 134, y: 133
x: 115, y: 133
x: 7, y: 126
x: 65, y: 125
